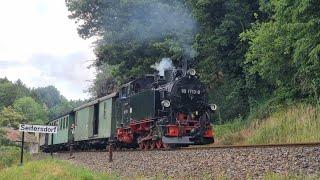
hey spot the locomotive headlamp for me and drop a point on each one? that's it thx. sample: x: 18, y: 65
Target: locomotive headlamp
x: 165, y: 103
x: 192, y: 72
x: 213, y: 107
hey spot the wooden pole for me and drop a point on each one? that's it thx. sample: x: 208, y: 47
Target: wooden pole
x: 22, y: 144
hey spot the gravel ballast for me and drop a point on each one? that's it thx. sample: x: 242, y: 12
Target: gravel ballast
x: 204, y: 164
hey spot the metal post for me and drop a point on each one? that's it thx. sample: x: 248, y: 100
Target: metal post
x: 51, y: 149
x: 22, y: 144
x: 71, y: 142
x: 71, y: 150
x: 110, y: 151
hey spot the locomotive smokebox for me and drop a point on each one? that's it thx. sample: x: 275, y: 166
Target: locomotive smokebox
x: 168, y: 75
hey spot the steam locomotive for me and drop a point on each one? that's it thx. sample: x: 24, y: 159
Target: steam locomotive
x: 150, y: 112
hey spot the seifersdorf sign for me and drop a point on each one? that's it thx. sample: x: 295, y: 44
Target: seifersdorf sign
x: 38, y: 128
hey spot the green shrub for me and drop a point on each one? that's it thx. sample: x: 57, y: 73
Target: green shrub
x: 10, y: 155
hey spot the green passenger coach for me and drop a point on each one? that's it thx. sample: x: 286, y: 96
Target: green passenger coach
x: 94, y: 123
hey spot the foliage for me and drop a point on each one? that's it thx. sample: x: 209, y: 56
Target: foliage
x: 20, y: 104
x: 51, y: 169
x: 31, y: 110
x: 284, y: 51
x: 104, y: 83
x: 49, y: 95
x: 136, y: 34
x: 63, y: 107
x: 9, y: 91
x: 9, y: 156
x: 10, y: 117
x: 3, y: 140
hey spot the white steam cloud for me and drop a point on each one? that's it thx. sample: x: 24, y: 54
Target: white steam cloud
x: 164, y: 64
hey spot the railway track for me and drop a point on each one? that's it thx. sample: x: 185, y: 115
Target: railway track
x: 209, y: 147
x: 310, y: 144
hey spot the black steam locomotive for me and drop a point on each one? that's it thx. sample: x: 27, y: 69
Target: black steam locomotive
x: 164, y: 111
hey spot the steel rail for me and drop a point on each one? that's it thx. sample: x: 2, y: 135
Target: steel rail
x: 199, y: 147
x: 277, y: 145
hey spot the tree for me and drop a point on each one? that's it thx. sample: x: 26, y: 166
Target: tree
x: 135, y: 34
x: 221, y: 53
x: 49, y: 95
x: 284, y: 51
x: 9, y: 91
x: 64, y: 107
x: 10, y: 117
x: 31, y: 110
x: 104, y: 83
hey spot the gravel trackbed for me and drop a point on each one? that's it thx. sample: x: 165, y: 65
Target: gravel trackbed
x: 233, y: 163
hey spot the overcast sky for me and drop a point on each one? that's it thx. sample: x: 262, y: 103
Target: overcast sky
x: 40, y: 46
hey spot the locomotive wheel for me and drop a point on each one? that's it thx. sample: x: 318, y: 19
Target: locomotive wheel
x: 166, y: 146
x: 169, y: 146
x: 153, y: 145
x: 159, y: 144
x: 147, y: 145
x: 142, y: 146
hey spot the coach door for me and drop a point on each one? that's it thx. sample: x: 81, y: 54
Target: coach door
x: 95, y: 121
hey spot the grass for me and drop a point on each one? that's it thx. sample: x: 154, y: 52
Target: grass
x: 230, y: 133
x: 300, y: 123
x: 274, y: 176
x: 10, y: 155
x: 51, y: 169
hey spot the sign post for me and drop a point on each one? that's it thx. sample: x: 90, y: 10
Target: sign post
x: 22, y: 143
x: 51, y: 149
x: 37, y: 129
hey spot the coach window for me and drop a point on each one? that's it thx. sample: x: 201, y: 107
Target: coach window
x: 76, y: 119
x: 124, y: 92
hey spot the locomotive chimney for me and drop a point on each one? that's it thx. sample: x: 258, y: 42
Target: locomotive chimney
x: 168, y: 75
x: 185, y: 66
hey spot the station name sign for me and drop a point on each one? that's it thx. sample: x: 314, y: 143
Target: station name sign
x: 38, y: 128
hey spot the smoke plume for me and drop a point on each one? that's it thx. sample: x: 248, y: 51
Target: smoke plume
x: 164, y: 64
x: 154, y: 20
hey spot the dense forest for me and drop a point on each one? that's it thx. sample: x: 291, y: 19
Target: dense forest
x: 253, y: 55
x: 20, y: 104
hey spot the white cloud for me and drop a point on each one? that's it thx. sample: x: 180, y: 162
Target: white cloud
x: 40, y: 45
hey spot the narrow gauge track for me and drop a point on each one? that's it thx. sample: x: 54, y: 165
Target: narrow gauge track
x: 311, y: 144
